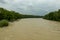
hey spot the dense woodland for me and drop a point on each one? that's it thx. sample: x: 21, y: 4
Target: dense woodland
x: 53, y: 16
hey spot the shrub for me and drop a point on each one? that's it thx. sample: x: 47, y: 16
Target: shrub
x: 3, y: 23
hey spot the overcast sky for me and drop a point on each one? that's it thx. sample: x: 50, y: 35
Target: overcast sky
x: 35, y: 7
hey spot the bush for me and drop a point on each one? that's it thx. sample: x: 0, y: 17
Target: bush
x: 3, y: 23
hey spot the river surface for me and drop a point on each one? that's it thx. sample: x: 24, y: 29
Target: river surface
x: 31, y: 29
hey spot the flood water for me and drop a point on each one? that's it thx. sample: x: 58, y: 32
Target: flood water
x: 31, y: 29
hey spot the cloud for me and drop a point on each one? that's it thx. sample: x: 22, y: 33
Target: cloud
x: 36, y: 7
x: 2, y: 1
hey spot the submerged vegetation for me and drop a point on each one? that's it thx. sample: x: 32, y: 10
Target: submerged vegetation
x: 10, y: 16
x: 53, y: 16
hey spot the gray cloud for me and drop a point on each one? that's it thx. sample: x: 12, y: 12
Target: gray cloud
x: 35, y: 7
x: 2, y: 1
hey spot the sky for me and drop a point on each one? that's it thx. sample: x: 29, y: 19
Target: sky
x: 31, y: 7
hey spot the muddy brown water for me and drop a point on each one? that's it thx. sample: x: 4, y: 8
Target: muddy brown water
x: 31, y: 29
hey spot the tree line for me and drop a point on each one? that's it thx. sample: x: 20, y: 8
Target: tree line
x: 9, y: 15
x: 12, y: 15
x: 53, y: 16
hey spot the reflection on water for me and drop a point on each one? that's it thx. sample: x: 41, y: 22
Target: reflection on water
x: 31, y: 29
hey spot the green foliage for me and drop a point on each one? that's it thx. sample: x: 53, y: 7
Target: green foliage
x: 53, y: 16
x: 9, y: 15
x: 3, y: 23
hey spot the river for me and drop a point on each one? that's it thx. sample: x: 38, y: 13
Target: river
x: 31, y: 29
